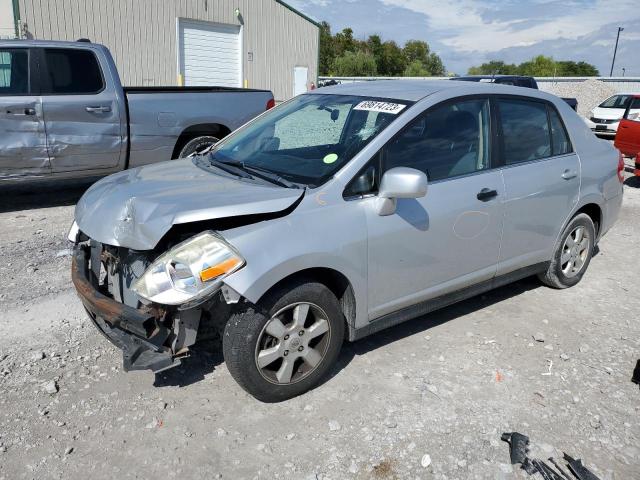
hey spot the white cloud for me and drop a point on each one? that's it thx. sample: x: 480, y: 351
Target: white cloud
x: 462, y: 25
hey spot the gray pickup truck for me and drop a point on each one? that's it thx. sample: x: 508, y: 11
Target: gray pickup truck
x: 64, y: 113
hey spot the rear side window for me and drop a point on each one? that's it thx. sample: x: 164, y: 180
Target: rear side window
x: 14, y: 71
x: 525, y: 131
x: 560, y: 140
x: 71, y: 72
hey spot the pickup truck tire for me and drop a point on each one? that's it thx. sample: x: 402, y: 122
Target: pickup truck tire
x: 572, y: 254
x: 196, y: 145
x: 286, y: 344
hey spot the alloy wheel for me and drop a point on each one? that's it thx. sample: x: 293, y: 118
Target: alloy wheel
x: 293, y: 343
x: 575, y: 251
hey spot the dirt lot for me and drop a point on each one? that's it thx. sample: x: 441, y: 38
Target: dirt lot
x: 555, y: 365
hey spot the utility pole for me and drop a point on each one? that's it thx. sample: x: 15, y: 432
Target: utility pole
x: 615, y: 50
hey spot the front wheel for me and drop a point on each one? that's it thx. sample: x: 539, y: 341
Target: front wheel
x: 572, y: 255
x: 289, y: 348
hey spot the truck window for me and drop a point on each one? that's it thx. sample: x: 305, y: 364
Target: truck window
x: 14, y: 71
x: 71, y: 72
x: 525, y: 129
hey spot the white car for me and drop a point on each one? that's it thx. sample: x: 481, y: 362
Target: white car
x: 604, y: 119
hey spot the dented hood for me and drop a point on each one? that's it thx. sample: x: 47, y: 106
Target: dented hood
x: 135, y: 208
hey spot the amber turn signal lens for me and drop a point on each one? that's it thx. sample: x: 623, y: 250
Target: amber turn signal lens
x: 220, y: 269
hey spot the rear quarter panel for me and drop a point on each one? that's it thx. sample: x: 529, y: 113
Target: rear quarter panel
x: 599, y: 166
x: 158, y: 118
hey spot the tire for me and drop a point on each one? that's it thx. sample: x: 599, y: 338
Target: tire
x: 570, y: 258
x: 196, y: 145
x: 260, y: 354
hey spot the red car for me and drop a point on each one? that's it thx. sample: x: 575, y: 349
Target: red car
x: 628, y: 136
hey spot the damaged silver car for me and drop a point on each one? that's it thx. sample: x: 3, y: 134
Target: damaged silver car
x: 337, y: 214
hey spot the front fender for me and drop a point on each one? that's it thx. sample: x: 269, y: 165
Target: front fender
x: 327, y: 237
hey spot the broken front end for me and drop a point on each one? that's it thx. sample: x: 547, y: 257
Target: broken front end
x: 154, y: 309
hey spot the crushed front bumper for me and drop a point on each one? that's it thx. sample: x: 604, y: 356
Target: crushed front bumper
x: 141, y: 334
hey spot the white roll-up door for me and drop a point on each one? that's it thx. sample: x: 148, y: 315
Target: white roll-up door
x: 210, y: 54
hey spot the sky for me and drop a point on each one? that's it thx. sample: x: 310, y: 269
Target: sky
x: 470, y: 32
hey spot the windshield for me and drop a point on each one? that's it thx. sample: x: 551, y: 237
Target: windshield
x: 308, y: 139
x: 617, y: 101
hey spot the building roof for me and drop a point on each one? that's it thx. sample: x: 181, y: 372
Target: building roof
x: 298, y: 12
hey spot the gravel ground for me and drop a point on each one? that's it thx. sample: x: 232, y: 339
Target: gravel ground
x: 427, y: 399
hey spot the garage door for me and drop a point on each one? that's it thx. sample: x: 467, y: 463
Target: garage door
x: 210, y: 54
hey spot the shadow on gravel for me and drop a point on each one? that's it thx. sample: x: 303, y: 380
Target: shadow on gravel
x: 633, y: 182
x: 207, y: 356
x: 204, y: 359
x: 426, y: 322
x: 42, y: 194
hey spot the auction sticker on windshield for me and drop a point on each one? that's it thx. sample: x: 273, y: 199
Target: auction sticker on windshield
x: 385, y: 107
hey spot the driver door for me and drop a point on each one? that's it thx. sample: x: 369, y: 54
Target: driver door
x: 449, y: 239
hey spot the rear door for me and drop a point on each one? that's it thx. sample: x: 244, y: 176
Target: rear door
x: 542, y: 179
x: 23, y: 145
x: 81, y: 112
x: 628, y: 136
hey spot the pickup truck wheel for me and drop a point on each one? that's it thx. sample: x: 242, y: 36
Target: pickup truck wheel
x: 572, y: 255
x: 197, y: 145
x: 286, y: 345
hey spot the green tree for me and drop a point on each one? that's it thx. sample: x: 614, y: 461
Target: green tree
x: 344, y: 42
x: 355, y: 64
x: 392, y: 61
x: 569, y: 68
x: 494, y: 67
x: 327, y: 51
x: 416, y: 69
x: 539, y: 66
x: 435, y: 65
x: 419, y: 51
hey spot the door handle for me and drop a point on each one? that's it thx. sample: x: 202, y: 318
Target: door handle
x: 98, y: 109
x: 29, y: 111
x: 569, y: 174
x: 486, y: 194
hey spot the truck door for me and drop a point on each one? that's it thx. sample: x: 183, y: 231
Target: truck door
x: 23, y: 144
x: 628, y: 135
x: 81, y: 111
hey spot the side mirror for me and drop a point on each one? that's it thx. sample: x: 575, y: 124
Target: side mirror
x: 400, y: 182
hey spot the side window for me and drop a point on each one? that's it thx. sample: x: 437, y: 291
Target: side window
x: 559, y: 138
x: 71, y: 72
x: 633, y: 113
x: 525, y: 130
x: 446, y: 141
x: 14, y: 71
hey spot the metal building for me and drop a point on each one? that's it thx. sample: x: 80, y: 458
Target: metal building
x: 251, y: 43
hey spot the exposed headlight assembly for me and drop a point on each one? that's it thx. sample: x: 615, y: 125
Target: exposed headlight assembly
x: 189, y: 272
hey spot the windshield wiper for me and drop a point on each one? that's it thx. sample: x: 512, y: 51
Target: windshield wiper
x: 271, y: 176
x: 262, y: 173
x: 229, y: 168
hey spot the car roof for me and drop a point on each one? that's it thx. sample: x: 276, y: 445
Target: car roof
x: 411, y: 90
x: 491, y: 76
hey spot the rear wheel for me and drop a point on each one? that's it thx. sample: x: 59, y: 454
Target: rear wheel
x: 573, y: 253
x: 288, y: 349
x: 197, y: 145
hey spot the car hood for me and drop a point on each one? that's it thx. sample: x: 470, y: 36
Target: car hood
x: 135, y: 208
x: 607, y: 113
